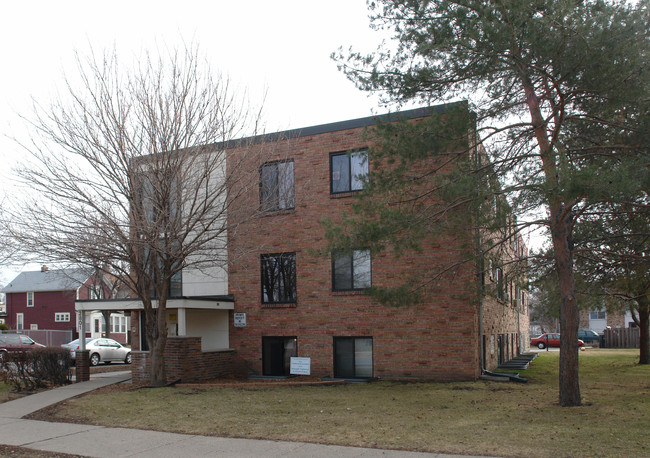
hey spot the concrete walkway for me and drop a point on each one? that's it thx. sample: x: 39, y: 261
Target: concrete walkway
x: 100, y: 441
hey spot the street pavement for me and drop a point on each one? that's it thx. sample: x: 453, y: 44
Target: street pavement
x: 100, y: 441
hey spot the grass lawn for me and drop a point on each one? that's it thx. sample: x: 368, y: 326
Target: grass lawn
x: 482, y: 417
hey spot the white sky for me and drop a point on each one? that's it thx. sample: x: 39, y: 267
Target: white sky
x: 281, y: 47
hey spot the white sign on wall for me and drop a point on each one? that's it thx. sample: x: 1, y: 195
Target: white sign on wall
x: 240, y: 320
x: 300, y: 366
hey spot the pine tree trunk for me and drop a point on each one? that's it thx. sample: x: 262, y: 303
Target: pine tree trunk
x: 560, y: 226
x: 569, y: 314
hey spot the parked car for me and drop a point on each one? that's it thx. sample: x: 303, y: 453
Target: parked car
x: 549, y: 340
x: 101, y: 350
x: 588, y: 336
x: 73, y: 346
x: 11, y: 343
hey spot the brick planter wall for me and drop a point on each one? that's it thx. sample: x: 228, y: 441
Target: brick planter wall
x: 185, y: 361
x: 82, y: 366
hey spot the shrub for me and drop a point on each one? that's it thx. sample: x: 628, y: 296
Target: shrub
x: 3, y: 327
x: 29, y: 370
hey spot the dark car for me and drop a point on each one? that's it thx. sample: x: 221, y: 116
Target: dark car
x: 588, y: 336
x: 549, y: 340
x: 11, y: 343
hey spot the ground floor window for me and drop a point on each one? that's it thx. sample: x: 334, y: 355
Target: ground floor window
x: 119, y: 324
x: 353, y: 357
x: 598, y: 315
x: 20, y: 322
x: 277, y: 353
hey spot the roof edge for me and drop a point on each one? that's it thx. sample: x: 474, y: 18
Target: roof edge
x: 340, y: 125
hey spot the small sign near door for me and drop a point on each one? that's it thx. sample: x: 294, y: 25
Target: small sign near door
x: 300, y: 366
x: 240, y: 320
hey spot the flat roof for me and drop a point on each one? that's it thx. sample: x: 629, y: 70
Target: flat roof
x: 342, y: 125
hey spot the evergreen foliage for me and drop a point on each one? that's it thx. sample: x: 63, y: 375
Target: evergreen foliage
x: 559, y: 89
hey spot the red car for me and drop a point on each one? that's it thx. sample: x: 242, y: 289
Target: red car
x: 10, y: 343
x: 549, y: 340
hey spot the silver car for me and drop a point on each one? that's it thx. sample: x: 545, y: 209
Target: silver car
x: 102, y: 350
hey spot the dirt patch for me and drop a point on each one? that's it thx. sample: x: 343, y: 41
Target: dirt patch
x: 241, y: 382
x: 22, y: 452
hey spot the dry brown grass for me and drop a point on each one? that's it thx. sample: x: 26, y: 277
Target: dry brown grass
x: 488, y: 418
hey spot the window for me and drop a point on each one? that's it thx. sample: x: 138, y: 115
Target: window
x: 348, y: 171
x: 62, y: 317
x: 20, y: 322
x: 30, y: 299
x: 159, y: 198
x: 176, y: 284
x: 279, y: 278
x: 118, y: 324
x: 351, y: 270
x: 276, y: 186
x: 33, y: 327
x: 598, y: 315
x: 501, y: 293
x: 95, y: 292
x: 277, y: 353
x: 353, y: 357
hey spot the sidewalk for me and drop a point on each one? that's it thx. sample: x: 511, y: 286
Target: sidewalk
x: 100, y: 441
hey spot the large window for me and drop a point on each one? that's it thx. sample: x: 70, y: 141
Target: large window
x: 351, y: 270
x: 159, y: 196
x: 353, y: 357
x: 348, y: 171
x: 30, y: 299
x: 276, y: 186
x: 279, y: 278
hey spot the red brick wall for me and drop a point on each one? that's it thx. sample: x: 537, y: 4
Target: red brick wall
x: 500, y: 318
x: 434, y: 340
x: 184, y: 361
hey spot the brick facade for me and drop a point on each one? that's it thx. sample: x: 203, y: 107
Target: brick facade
x: 438, y: 339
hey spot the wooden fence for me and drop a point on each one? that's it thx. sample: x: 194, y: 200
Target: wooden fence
x: 621, y: 338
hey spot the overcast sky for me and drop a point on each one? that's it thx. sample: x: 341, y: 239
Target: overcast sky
x: 281, y: 47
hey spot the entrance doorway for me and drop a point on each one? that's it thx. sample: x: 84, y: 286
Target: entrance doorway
x: 276, y: 355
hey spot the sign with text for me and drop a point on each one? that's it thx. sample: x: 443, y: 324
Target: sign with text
x: 240, y: 320
x: 300, y: 366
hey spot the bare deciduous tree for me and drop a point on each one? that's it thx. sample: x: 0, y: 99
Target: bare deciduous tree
x: 7, y: 247
x: 128, y: 175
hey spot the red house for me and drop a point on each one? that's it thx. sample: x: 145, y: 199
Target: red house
x: 44, y: 300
